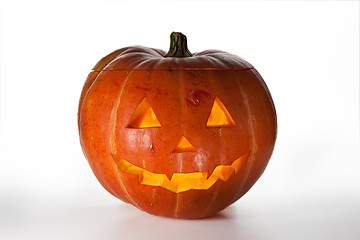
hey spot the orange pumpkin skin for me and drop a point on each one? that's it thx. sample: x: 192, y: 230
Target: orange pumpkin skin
x: 181, y: 92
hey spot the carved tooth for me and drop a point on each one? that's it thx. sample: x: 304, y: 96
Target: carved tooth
x: 181, y: 182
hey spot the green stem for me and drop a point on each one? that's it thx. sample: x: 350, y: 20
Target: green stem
x: 178, y: 46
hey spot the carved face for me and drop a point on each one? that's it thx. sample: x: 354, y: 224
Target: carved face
x: 145, y: 117
x: 179, y: 145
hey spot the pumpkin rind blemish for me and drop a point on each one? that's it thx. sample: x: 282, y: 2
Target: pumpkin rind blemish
x: 195, y: 96
x: 151, y: 148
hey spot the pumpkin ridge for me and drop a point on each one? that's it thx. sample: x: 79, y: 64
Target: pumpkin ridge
x: 251, y: 131
x: 112, y: 139
x: 99, y: 67
x: 263, y: 84
x: 180, y: 91
x: 219, y: 146
x: 103, y: 63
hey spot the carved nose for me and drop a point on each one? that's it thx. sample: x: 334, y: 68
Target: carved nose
x: 184, y: 145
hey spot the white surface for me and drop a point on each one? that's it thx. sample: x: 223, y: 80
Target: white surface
x: 307, y: 52
x: 252, y: 218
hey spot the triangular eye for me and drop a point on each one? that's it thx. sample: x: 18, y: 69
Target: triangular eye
x: 219, y: 116
x: 143, y: 116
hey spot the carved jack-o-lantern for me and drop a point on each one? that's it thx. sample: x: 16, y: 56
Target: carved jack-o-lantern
x: 178, y: 134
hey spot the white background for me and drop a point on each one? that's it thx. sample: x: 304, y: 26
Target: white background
x: 307, y: 52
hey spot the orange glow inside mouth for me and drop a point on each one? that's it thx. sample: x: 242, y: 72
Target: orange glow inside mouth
x: 181, y: 182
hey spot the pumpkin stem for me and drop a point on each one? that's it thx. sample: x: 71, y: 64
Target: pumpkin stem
x: 178, y: 46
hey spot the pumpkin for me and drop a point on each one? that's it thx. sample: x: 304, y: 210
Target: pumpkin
x: 176, y: 134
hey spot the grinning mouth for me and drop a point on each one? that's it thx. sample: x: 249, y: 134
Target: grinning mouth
x: 181, y: 182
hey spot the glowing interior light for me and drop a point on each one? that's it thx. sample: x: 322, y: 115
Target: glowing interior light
x: 181, y: 182
x: 184, y: 146
x: 219, y: 116
x: 143, y: 116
